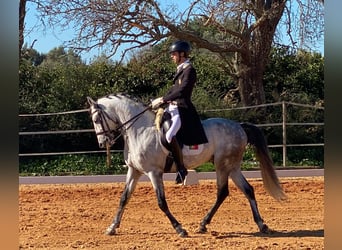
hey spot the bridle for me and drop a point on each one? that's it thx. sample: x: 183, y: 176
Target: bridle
x: 109, y: 133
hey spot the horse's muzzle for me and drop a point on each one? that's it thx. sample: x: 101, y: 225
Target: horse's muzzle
x: 106, y: 142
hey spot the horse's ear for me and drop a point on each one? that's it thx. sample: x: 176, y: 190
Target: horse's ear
x: 90, y: 100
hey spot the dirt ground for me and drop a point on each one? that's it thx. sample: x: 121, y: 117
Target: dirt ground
x: 76, y: 216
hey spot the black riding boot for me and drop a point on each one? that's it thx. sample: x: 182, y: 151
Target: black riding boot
x: 178, y: 158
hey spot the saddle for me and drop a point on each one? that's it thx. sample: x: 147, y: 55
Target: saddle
x: 163, y: 123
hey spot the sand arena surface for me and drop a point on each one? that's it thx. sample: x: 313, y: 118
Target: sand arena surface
x: 77, y: 215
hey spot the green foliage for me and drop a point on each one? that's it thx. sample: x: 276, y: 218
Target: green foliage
x: 58, y: 56
x: 211, y: 77
x: 32, y: 56
x: 296, y: 76
x: 72, y: 165
x: 206, y: 167
x: 305, y: 156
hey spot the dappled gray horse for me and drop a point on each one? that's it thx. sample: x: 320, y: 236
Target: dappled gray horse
x: 144, y: 154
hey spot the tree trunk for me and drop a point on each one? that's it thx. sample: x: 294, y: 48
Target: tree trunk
x: 250, y: 84
x: 250, y: 66
x: 22, y: 13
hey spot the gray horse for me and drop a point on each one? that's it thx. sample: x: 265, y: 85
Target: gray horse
x: 144, y: 154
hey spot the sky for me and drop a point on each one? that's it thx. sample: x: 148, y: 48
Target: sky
x: 49, y: 39
x: 52, y: 38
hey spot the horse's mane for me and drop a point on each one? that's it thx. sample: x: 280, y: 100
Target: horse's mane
x: 131, y: 100
x: 126, y: 95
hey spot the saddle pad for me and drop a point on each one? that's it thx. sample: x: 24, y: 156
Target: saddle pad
x: 192, y: 150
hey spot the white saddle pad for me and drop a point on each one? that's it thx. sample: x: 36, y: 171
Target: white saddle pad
x: 192, y: 150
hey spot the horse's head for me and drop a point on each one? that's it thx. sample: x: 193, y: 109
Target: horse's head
x: 104, y: 123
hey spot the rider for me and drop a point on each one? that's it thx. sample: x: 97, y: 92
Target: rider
x: 186, y: 123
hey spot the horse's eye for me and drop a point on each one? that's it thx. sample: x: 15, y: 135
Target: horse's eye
x: 97, y: 119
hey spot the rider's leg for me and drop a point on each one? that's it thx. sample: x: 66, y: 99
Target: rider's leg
x: 175, y: 126
x: 174, y: 145
x: 178, y: 158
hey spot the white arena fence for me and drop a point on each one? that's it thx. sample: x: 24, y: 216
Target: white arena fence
x: 284, y: 124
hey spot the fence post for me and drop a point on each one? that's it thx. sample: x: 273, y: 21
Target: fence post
x: 284, y: 132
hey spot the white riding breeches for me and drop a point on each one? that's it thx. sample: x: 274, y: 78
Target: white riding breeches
x: 176, y: 122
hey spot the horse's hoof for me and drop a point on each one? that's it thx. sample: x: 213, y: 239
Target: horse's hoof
x: 202, y: 230
x: 181, y: 176
x: 110, y: 230
x: 183, y: 233
x: 265, y: 230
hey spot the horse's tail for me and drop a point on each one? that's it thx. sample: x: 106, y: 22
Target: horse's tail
x: 270, y: 179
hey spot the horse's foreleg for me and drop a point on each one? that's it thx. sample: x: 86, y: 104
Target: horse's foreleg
x: 241, y: 182
x: 158, y: 185
x: 222, y: 193
x: 131, y: 182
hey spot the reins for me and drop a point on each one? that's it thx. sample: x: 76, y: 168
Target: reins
x: 132, y: 120
x: 135, y: 118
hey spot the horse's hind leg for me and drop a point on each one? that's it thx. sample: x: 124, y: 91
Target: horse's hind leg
x: 241, y: 182
x: 131, y: 182
x: 222, y: 193
x: 158, y: 185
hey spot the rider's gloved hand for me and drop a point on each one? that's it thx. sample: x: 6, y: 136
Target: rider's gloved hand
x: 157, y: 102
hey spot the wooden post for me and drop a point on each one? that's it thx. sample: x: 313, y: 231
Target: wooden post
x: 284, y: 133
x: 108, y: 160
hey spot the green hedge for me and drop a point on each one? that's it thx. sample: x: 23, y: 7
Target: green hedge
x: 72, y: 165
x: 88, y: 164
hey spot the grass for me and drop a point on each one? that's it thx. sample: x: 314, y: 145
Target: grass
x: 96, y: 165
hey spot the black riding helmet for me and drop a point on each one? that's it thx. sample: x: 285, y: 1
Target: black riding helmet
x: 180, y: 46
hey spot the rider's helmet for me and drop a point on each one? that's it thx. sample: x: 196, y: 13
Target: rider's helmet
x: 180, y: 46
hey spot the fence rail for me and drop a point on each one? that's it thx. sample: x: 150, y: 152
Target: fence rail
x: 284, y: 124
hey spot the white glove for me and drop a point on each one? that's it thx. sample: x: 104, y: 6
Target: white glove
x: 157, y: 102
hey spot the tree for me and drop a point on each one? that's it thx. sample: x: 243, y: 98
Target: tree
x: 295, y: 76
x: 32, y: 55
x: 60, y: 56
x: 22, y: 14
x: 245, y: 30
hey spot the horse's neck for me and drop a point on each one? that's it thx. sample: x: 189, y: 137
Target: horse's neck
x: 138, y: 128
x: 128, y: 113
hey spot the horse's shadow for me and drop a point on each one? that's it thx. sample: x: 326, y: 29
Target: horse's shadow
x: 276, y: 234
